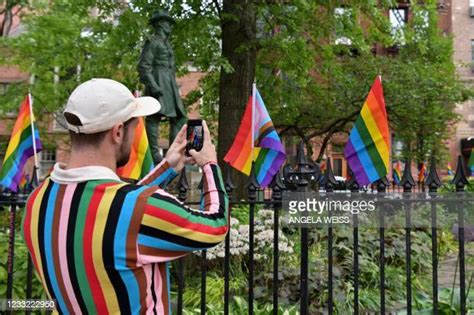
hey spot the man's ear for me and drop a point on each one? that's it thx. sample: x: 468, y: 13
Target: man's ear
x: 118, y: 133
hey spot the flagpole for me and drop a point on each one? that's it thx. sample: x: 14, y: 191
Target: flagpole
x: 254, y: 94
x: 30, y: 102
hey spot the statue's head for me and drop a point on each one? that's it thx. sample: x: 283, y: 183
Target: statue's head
x: 161, y: 20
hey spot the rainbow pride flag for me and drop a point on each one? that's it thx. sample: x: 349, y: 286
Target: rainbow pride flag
x: 397, y: 173
x: 450, y: 170
x: 140, y: 162
x: 21, y: 147
x: 422, y: 172
x: 268, y: 152
x: 368, y: 148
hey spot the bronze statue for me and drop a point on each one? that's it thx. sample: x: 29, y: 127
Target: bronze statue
x: 157, y: 71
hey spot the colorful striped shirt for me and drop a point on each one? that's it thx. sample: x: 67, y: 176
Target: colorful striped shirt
x: 101, y: 245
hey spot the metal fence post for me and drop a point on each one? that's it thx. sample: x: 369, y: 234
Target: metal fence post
x: 460, y: 180
x: 11, y: 246
x: 329, y: 182
x: 183, y: 188
x: 277, y: 189
x: 252, y: 188
x: 408, y: 183
x: 433, y: 182
x: 354, y: 187
x: 298, y: 179
x: 229, y: 187
x: 381, y: 185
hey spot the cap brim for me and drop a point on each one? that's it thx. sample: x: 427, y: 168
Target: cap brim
x: 147, y: 106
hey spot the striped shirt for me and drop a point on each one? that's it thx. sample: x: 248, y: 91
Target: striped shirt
x: 101, y: 245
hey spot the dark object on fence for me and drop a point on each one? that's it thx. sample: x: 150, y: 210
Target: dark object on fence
x: 303, y: 173
x: 328, y: 181
x: 407, y: 181
x: 433, y: 181
x: 460, y: 177
x: 382, y: 184
x: 352, y: 183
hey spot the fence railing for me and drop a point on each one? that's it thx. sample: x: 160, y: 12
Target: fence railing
x: 305, y: 176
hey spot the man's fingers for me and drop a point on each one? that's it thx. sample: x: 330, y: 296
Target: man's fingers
x: 181, y: 135
x: 181, y: 145
x: 190, y: 160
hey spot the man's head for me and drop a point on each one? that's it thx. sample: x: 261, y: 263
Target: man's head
x: 101, y: 115
x: 161, y: 21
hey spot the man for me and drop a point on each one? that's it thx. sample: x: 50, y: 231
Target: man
x: 101, y: 245
x: 157, y: 71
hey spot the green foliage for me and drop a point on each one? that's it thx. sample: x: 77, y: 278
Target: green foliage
x: 19, y: 271
x: 294, y: 40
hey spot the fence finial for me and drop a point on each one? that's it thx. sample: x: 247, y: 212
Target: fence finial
x: 382, y: 184
x: 460, y: 178
x: 433, y: 181
x: 228, y: 184
x: 328, y: 181
x: 277, y: 183
x: 407, y: 181
x: 352, y: 183
x: 252, y: 184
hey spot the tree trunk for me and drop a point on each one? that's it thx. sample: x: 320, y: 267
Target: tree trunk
x: 238, y: 29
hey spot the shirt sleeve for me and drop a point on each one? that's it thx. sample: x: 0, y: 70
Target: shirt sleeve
x: 160, y: 176
x: 169, y: 229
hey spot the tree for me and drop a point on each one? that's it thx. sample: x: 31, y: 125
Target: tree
x: 313, y: 61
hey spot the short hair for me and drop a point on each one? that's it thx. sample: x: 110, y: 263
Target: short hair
x: 88, y: 139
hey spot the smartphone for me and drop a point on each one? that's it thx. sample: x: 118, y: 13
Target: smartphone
x: 194, y: 135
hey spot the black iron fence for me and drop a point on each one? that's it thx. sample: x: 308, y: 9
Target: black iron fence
x: 305, y: 176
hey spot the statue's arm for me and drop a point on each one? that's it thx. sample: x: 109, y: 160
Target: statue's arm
x: 145, y: 68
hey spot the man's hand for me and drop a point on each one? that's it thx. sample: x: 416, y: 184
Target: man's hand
x: 175, y: 155
x: 208, y: 151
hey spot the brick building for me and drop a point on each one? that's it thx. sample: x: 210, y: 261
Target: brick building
x: 462, y: 20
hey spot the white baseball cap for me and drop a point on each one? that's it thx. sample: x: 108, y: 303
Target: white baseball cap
x: 102, y: 103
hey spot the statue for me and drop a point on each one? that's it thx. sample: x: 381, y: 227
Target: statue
x: 157, y: 71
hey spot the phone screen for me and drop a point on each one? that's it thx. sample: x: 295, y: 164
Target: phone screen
x: 194, y: 135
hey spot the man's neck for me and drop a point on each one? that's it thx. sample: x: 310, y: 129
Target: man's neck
x: 91, y: 158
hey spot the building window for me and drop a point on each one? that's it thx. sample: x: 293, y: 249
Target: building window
x: 343, y: 17
x: 47, y: 159
x: 398, y: 19
x: 337, y: 166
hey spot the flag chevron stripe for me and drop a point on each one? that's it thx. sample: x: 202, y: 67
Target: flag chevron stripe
x: 267, y: 152
x: 363, y: 154
x: 371, y: 148
x: 20, y: 147
x: 18, y: 135
x: 368, y: 149
x: 378, y: 116
x: 375, y: 133
x: 356, y: 165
